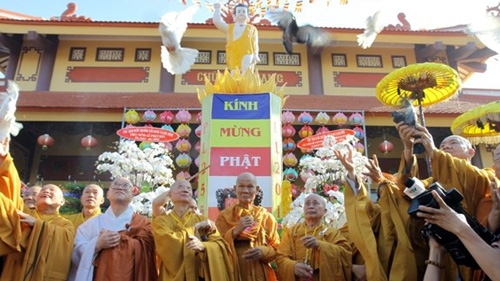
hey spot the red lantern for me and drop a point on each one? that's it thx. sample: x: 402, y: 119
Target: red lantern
x: 385, y: 146
x: 88, y: 142
x: 45, y: 141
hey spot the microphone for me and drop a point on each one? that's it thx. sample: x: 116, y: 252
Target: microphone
x: 414, y: 187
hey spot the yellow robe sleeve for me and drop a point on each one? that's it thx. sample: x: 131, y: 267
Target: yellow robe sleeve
x: 10, y: 202
x: 472, y: 182
x: 178, y: 263
x: 332, y: 258
x: 46, y: 253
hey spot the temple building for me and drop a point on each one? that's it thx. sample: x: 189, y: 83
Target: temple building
x: 79, y: 76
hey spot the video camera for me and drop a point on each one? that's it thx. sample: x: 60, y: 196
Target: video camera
x: 452, y: 198
x: 408, y: 115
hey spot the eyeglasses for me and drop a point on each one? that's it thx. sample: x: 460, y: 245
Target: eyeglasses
x: 120, y: 186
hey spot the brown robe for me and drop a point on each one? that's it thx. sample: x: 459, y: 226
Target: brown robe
x: 133, y: 259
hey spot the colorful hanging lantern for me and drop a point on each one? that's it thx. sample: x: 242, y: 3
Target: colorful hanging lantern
x: 305, y: 131
x: 167, y: 127
x: 149, y: 116
x: 183, y: 116
x: 356, y: 119
x: 359, y: 147
x: 182, y: 175
x: 290, y: 160
x: 198, y: 117
x: 289, y: 145
x: 385, y: 146
x: 144, y: 144
x: 183, y: 130
x: 295, y: 191
x: 339, y: 119
x: 197, y: 131
x: 45, y: 141
x: 359, y: 133
x: 287, y: 117
x: 322, y: 118
x: 131, y: 117
x: 183, y: 160
x: 306, y: 151
x: 168, y: 146
x: 322, y: 129
x: 183, y: 145
x: 306, y: 174
x: 197, y: 146
x: 88, y: 142
x: 167, y: 117
x: 288, y: 131
x: 290, y: 174
x: 305, y: 118
x: 197, y: 161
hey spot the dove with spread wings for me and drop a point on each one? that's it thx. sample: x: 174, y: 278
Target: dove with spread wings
x: 8, y: 100
x: 293, y: 33
x: 176, y: 59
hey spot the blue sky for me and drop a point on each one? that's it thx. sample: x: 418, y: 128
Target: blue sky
x: 422, y: 14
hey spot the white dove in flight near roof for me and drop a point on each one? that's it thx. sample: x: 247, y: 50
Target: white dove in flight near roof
x: 8, y: 100
x: 487, y: 30
x: 176, y: 59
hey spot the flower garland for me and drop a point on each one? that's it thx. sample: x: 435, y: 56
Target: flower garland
x: 326, y: 176
x: 148, y: 168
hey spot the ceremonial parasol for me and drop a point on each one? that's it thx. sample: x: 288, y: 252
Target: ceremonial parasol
x: 423, y: 84
x: 480, y: 124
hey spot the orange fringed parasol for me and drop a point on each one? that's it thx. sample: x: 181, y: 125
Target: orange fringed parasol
x: 480, y: 124
x: 423, y: 84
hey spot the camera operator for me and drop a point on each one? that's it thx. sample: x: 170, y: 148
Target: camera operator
x: 486, y: 256
x: 451, y: 167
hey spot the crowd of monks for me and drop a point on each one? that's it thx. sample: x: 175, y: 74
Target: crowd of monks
x: 380, y: 241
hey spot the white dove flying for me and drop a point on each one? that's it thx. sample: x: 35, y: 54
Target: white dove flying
x: 487, y: 30
x: 8, y: 100
x: 176, y: 59
x: 374, y: 25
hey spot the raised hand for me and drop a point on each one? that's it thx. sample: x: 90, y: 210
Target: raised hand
x: 310, y: 242
x: 243, y: 223
x: 252, y: 254
x: 303, y: 270
x: 25, y: 218
x: 374, y: 172
x: 195, y: 244
x: 444, y: 217
x: 107, y: 239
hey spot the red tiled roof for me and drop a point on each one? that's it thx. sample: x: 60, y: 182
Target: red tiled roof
x: 117, y: 101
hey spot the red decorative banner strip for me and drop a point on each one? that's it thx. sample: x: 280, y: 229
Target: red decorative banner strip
x: 91, y: 74
x: 357, y: 80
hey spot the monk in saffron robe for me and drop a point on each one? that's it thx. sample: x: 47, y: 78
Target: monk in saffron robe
x: 452, y: 168
x: 47, y: 241
x: 92, y: 198
x: 251, y: 232
x: 378, y: 230
x: 313, y: 251
x: 29, y: 196
x: 34, y: 246
x: 242, y: 46
x: 189, y: 246
x: 116, y: 245
x: 10, y: 202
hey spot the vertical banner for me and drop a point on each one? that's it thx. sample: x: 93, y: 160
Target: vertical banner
x: 240, y: 133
